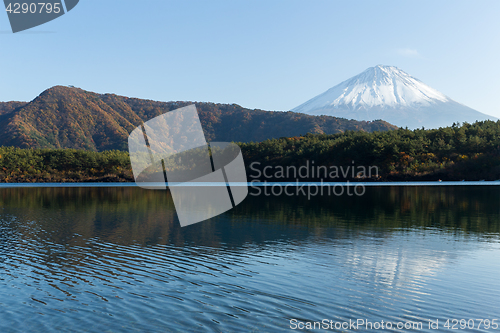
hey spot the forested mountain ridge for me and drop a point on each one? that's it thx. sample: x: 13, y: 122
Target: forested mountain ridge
x: 67, y: 117
x: 459, y: 152
x: 7, y: 107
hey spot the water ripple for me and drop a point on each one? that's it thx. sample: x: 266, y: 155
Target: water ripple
x: 62, y: 270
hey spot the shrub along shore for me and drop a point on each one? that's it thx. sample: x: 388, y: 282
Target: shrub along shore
x: 459, y: 152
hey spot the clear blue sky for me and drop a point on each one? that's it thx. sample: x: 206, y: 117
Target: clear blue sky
x: 268, y: 54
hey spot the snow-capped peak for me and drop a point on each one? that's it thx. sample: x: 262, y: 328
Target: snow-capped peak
x: 377, y: 86
x: 388, y: 93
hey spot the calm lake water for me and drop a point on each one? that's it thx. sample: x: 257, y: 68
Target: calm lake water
x: 116, y: 260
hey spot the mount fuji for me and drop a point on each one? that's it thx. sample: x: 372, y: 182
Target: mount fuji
x: 388, y: 93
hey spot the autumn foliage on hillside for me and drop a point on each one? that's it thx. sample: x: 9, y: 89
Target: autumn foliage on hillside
x: 64, y: 117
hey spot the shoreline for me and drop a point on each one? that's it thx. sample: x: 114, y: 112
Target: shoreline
x: 256, y: 184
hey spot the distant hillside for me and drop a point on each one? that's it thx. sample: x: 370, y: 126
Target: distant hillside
x: 63, y: 117
x: 7, y: 107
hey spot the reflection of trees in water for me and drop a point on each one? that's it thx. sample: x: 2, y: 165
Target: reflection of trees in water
x: 54, y: 229
x: 137, y: 216
x: 119, y: 215
x: 457, y: 208
x: 83, y: 227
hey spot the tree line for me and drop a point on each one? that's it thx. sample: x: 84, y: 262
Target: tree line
x: 459, y: 152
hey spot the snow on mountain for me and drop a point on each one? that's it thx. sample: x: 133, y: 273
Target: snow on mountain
x: 390, y: 94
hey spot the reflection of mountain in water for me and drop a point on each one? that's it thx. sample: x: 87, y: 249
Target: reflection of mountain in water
x: 400, y: 259
x: 113, y: 253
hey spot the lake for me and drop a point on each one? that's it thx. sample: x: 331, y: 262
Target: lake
x: 114, y: 259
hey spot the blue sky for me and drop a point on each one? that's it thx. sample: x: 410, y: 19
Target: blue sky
x: 269, y: 54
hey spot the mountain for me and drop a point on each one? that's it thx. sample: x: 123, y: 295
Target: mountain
x: 7, y: 107
x: 67, y: 117
x: 388, y: 93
